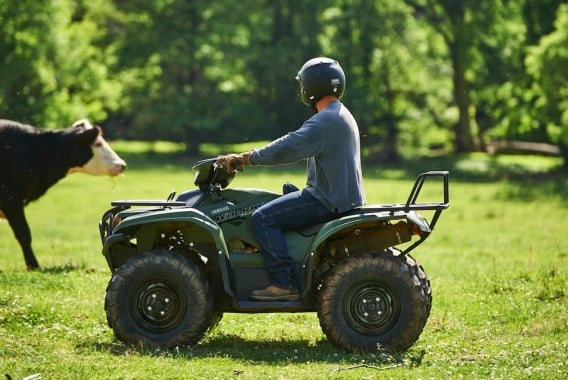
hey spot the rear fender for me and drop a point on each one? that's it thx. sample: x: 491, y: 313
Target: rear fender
x: 361, y: 231
x: 345, y: 223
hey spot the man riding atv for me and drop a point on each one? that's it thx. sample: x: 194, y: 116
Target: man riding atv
x: 329, y: 140
x: 179, y: 264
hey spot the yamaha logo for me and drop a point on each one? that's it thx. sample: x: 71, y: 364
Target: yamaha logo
x: 241, y: 213
x: 219, y: 210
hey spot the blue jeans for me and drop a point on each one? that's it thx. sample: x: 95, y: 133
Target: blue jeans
x: 290, y: 211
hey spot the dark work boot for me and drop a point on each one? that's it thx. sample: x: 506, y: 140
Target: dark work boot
x: 274, y: 293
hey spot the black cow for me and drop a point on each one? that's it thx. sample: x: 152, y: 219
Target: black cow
x: 32, y: 160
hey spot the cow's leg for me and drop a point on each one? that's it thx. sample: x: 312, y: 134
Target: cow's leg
x: 17, y: 220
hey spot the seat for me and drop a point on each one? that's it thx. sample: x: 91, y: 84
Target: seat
x: 192, y: 198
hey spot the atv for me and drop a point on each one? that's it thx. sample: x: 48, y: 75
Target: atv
x: 178, y: 264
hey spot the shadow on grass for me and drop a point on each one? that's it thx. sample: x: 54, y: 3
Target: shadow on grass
x: 60, y: 269
x: 273, y: 352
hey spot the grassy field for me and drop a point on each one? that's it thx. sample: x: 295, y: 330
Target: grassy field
x: 497, y: 262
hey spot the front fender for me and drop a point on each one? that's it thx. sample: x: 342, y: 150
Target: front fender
x: 170, y: 215
x: 147, y: 223
x: 192, y: 223
x: 179, y: 216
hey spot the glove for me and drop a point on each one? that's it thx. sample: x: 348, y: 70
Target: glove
x: 234, y: 162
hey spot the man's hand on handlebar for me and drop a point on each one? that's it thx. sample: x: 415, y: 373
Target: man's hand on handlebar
x: 234, y: 162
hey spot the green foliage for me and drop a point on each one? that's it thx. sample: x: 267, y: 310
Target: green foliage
x: 551, y: 56
x: 54, y: 68
x: 421, y: 74
x: 24, y: 28
x: 394, y: 95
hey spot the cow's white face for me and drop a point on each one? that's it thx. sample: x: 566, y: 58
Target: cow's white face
x: 104, y: 161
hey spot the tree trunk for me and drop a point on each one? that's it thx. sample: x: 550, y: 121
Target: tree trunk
x: 192, y: 143
x: 390, y: 150
x: 463, y: 141
x: 564, y: 155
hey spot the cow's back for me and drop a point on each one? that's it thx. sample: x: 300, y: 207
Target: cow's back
x: 24, y: 160
x: 17, y: 142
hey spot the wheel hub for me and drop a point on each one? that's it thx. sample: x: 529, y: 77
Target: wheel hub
x: 371, y: 308
x: 158, y: 307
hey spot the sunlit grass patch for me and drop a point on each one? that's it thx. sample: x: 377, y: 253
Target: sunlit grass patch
x: 496, y: 261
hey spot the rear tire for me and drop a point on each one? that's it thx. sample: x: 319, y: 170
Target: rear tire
x: 376, y: 302
x: 159, y: 298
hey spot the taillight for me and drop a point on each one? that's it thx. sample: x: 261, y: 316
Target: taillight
x: 414, y: 229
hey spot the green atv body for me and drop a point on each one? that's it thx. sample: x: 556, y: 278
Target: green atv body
x: 178, y: 265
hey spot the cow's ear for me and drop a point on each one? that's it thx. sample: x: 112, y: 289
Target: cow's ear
x: 87, y: 136
x: 82, y: 123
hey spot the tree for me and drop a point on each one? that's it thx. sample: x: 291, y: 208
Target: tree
x: 20, y: 84
x: 162, y: 42
x: 54, y: 70
x: 497, y: 75
x: 222, y: 72
x: 210, y: 70
x: 285, y: 36
x: 547, y: 63
x: 504, y: 95
x: 452, y: 19
x: 395, y: 74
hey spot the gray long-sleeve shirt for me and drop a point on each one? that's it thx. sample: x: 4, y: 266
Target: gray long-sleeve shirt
x: 330, y: 142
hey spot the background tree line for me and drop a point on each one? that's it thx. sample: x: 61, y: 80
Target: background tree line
x: 422, y: 74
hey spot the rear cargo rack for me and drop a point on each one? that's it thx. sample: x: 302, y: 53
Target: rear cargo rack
x: 411, y: 204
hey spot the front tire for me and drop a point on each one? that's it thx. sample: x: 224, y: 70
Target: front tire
x: 375, y: 302
x: 159, y: 298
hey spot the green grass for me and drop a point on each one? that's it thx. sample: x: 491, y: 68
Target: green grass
x: 497, y: 262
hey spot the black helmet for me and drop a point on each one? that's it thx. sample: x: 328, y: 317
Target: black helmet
x: 320, y: 77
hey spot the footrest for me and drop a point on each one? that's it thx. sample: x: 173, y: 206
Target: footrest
x: 246, y: 260
x: 260, y: 306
